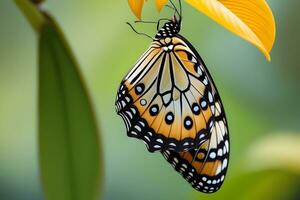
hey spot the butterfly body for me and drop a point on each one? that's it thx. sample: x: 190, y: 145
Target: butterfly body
x: 169, y: 101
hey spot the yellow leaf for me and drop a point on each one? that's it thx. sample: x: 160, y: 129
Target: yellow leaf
x: 136, y: 7
x: 252, y: 20
x: 160, y: 4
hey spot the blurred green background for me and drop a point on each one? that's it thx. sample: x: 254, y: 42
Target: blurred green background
x: 261, y: 100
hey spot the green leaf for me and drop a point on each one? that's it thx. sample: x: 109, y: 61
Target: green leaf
x: 68, y: 135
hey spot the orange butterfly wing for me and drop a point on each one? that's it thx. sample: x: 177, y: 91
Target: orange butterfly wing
x: 165, y: 98
x: 205, y: 166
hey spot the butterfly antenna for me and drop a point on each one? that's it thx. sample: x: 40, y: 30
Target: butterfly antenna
x: 139, y: 33
x: 180, y: 8
x: 174, y: 7
x: 145, y: 22
x: 152, y: 22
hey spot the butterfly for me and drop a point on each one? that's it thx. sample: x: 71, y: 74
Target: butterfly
x: 170, y: 102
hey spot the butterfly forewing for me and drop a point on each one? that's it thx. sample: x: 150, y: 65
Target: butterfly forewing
x: 165, y: 100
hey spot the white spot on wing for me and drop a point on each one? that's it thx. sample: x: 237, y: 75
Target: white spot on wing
x: 159, y: 140
x: 212, y: 155
x: 194, y: 60
x: 210, y: 97
x: 146, y: 137
x: 220, y: 152
x: 224, y: 164
x: 227, y: 145
x: 138, y: 128
x: 173, y: 144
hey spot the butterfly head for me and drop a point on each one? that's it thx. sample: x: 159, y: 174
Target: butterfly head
x: 169, y: 29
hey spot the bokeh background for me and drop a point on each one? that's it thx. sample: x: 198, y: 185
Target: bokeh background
x: 261, y: 100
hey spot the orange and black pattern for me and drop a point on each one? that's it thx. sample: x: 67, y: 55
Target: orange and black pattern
x: 165, y: 98
x: 169, y: 101
x: 205, y: 166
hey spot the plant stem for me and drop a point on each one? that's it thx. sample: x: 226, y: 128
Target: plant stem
x: 33, y: 14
